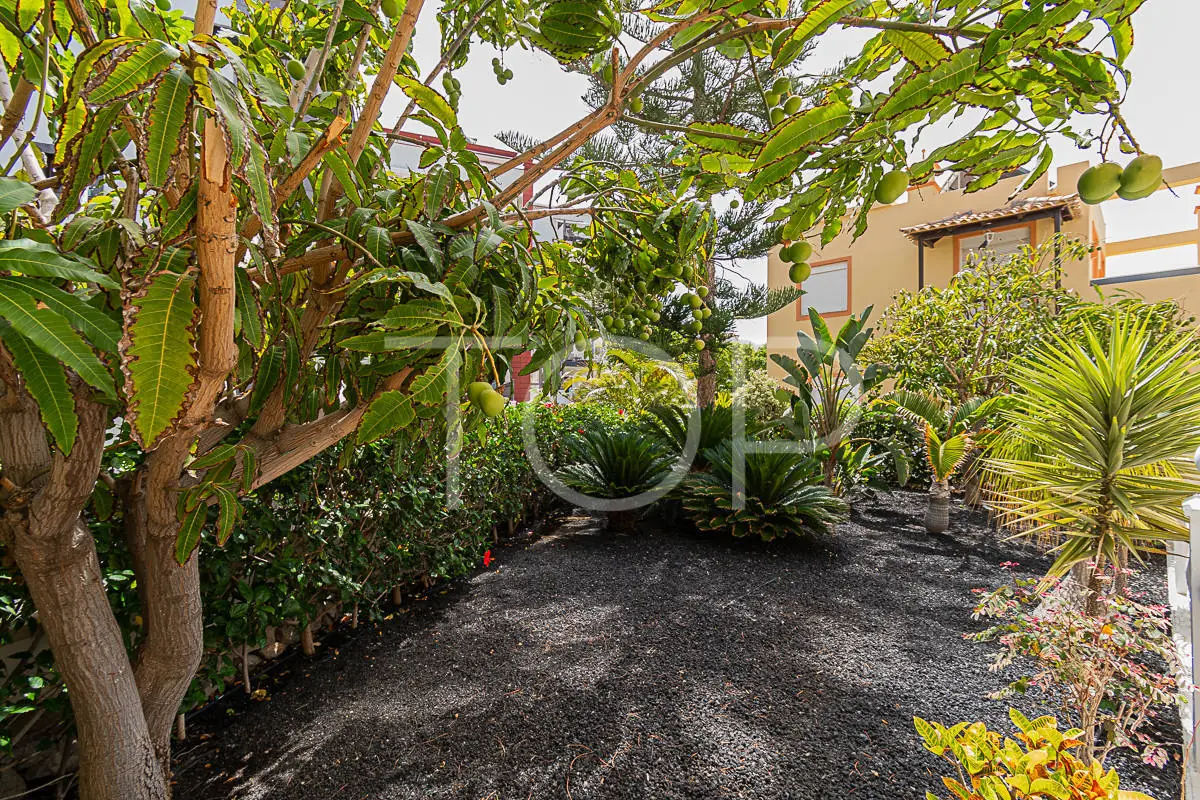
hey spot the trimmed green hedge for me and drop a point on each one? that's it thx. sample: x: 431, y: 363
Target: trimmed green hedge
x: 343, y: 529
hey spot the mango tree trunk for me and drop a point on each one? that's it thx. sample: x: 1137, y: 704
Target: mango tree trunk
x: 937, y: 512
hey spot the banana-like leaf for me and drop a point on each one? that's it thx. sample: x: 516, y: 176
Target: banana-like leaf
x: 15, y: 193
x: 169, y: 110
x: 387, y: 414
x: 160, y: 354
x: 51, y: 333
x: 47, y: 384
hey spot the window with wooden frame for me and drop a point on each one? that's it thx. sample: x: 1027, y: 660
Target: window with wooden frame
x: 1000, y: 242
x: 827, y: 289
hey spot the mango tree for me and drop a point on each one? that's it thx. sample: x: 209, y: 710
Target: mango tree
x: 217, y: 262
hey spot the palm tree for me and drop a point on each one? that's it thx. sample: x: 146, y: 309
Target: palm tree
x: 1097, y: 445
x: 948, y: 430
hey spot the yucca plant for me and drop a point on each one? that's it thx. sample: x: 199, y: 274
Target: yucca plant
x: 948, y: 429
x: 614, y: 465
x: 1097, y: 446
x: 781, y: 494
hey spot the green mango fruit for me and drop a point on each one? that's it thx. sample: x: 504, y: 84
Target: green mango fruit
x: 475, y: 391
x: 163, y: 5
x: 1140, y: 195
x: 390, y: 8
x: 792, y: 105
x: 698, y: 345
x: 636, y: 105
x: 296, y: 69
x: 771, y: 99
x: 781, y: 86
x: 1144, y: 172
x: 702, y: 291
x: 799, y: 272
x: 1099, y: 183
x: 491, y: 402
x: 695, y: 301
x: 891, y: 186
x: 777, y: 116
x: 801, y: 250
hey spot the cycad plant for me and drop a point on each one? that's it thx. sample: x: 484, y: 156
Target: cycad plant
x: 948, y: 431
x: 614, y: 465
x: 1097, y: 445
x: 781, y: 494
x: 670, y: 425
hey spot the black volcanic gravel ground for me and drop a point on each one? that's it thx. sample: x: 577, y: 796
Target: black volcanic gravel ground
x: 665, y: 665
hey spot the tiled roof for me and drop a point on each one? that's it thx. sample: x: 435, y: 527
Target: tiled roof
x: 1070, y: 204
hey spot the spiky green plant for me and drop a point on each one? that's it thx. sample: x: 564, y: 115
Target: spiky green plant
x: 670, y: 424
x: 616, y: 464
x: 782, y: 495
x: 948, y: 430
x: 1097, y: 445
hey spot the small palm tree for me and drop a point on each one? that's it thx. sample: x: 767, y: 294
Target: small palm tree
x: 1098, y: 443
x: 780, y: 494
x: 948, y: 430
x: 616, y: 464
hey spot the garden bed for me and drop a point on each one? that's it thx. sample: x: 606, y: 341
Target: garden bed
x: 662, y: 665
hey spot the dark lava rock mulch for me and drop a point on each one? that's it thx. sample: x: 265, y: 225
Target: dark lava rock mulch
x: 664, y: 665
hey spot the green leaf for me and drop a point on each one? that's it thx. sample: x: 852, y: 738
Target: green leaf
x: 98, y: 327
x: 189, y: 532
x: 43, y: 261
x: 233, y: 116
x: 134, y: 69
x: 922, y: 49
x: 47, y: 384
x: 339, y: 164
x: 819, y: 18
x: 50, y: 332
x: 161, y: 358
x: 804, y: 130
x: 229, y: 511
x: 928, y: 85
x: 429, y: 100
x: 169, y: 110
x: 15, y: 193
x: 431, y: 385
x: 387, y: 414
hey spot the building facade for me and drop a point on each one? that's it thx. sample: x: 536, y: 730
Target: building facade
x: 928, y: 235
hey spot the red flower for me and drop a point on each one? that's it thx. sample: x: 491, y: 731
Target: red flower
x: 487, y: 558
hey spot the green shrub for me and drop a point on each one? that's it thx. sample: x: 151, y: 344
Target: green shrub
x: 344, y: 528
x: 782, y: 495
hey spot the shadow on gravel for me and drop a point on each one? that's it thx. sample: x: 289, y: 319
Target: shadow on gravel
x: 664, y: 665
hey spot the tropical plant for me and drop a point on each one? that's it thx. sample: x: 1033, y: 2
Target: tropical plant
x: 948, y: 430
x: 715, y: 426
x: 1038, y: 763
x: 632, y: 381
x: 1098, y: 440
x: 617, y: 464
x: 1112, y: 669
x: 210, y: 263
x: 769, y: 495
x: 831, y: 388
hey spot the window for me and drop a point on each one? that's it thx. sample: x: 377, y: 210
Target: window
x: 827, y: 289
x: 1001, y: 242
